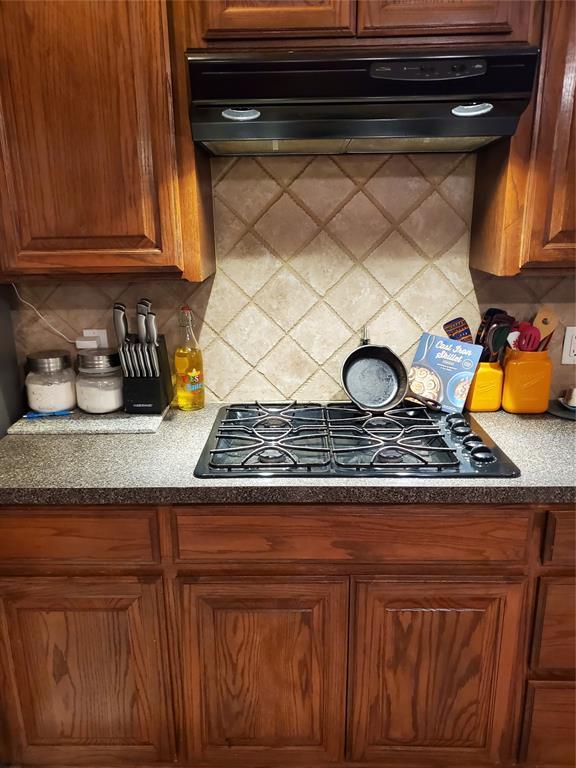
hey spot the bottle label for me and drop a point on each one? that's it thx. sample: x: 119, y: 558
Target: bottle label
x: 193, y: 381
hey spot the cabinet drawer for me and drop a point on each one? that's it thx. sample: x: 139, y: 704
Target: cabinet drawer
x: 555, y: 630
x: 549, y: 724
x: 90, y: 535
x: 560, y: 542
x: 349, y: 534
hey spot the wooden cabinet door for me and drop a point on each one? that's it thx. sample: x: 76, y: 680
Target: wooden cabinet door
x: 504, y: 19
x: 549, y: 737
x: 88, y: 179
x: 276, y: 18
x: 81, y: 671
x: 264, y: 670
x: 550, y: 229
x: 432, y: 669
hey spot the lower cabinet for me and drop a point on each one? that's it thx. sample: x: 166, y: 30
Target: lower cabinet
x: 433, y: 665
x: 82, y: 671
x: 265, y: 670
x: 549, y: 738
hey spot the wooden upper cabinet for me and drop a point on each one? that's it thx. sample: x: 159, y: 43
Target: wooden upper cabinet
x: 88, y: 161
x: 239, y: 19
x: 264, y: 670
x: 432, y: 669
x: 82, y: 666
x: 506, y: 20
x: 550, y: 231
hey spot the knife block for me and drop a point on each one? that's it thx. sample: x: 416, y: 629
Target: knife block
x: 150, y: 394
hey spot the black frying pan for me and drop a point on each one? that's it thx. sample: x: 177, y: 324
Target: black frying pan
x: 375, y: 378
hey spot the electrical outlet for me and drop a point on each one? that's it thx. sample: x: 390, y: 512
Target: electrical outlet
x: 569, y: 348
x: 100, y: 333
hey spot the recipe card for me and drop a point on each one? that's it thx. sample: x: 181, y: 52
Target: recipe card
x: 443, y: 370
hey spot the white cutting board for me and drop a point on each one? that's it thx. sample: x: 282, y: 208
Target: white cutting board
x: 80, y: 423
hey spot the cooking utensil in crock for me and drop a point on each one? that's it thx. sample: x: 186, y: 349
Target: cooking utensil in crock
x: 375, y: 379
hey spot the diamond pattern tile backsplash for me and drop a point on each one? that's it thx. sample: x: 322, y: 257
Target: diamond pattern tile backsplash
x: 310, y: 249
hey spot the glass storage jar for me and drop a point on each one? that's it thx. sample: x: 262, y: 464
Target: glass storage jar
x: 50, y: 383
x: 99, y: 383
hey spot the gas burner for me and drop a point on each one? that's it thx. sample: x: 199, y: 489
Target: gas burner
x: 339, y: 439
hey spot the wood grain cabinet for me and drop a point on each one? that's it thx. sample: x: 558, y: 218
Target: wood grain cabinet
x: 525, y: 207
x: 549, y: 738
x: 82, y: 671
x: 265, y: 670
x: 90, y: 177
x: 432, y: 671
x: 506, y: 20
x: 272, y: 18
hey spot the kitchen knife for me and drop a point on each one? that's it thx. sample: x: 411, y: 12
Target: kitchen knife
x: 122, y: 360
x: 152, y: 332
x: 120, y: 323
x: 128, y: 359
x: 141, y: 327
x: 141, y: 360
x: 134, y: 357
x: 144, y: 306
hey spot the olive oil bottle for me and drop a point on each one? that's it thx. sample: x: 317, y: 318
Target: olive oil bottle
x: 188, y: 366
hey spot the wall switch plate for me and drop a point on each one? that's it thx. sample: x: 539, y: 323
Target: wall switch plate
x: 100, y: 333
x: 569, y: 348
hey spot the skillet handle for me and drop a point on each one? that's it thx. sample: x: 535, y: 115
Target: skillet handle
x: 365, y: 336
x: 433, y: 405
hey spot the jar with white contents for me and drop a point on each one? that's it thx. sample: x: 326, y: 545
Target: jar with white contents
x: 50, y: 383
x: 99, y: 382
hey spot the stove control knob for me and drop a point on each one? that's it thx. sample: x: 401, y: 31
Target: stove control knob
x: 482, y: 454
x: 471, y: 441
x: 460, y: 428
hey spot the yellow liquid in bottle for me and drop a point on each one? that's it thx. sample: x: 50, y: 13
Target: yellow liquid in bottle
x: 189, y: 373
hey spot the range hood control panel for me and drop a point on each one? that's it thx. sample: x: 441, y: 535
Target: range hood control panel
x: 428, y: 69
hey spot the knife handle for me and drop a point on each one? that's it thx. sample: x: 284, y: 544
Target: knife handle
x: 141, y: 327
x: 120, y: 324
x: 152, y: 328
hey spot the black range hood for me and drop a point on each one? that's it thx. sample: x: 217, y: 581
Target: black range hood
x: 335, y: 102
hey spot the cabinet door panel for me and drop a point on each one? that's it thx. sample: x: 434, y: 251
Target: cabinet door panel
x: 432, y: 669
x: 554, y: 645
x: 549, y: 733
x: 264, y: 669
x: 399, y: 18
x: 87, y: 159
x: 551, y: 219
x: 276, y: 18
x: 82, y: 669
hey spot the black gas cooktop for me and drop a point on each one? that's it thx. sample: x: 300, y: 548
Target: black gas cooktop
x: 340, y: 440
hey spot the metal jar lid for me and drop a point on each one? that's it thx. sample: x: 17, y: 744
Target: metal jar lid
x: 98, y: 360
x: 48, y: 360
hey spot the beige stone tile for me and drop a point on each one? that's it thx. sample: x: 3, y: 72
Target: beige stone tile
x: 252, y: 334
x: 434, y: 225
x: 428, y: 298
x: 359, y: 225
x: 322, y: 187
x: 435, y: 167
x: 333, y: 366
x: 247, y: 189
x: 286, y: 227
x: 219, y: 166
x: 227, y: 228
x: 393, y: 329
x: 357, y: 297
x: 32, y: 335
x: 458, y: 187
x: 218, y: 300
x: 564, y: 292
x: 285, y: 169
x: 321, y: 263
x: 466, y: 309
x: 394, y: 262
x: 501, y: 291
x: 285, y: 299
x: 360, y: 167
x: 287, y: 366
x: 250, y: 264
x: 320, y: 332
x: 36, y: 291
x: 398, y: 186
x: 254, y: 386
x: 455, y: 265
x: 320, y: 388
x: 223, y: 368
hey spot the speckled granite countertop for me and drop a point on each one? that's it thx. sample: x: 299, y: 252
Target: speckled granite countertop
x: 159, y: 469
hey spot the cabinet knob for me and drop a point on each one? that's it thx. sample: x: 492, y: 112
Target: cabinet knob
x: 472, y: 110
x: 241, y: 115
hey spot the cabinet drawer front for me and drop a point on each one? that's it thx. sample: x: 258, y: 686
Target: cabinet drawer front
x: 342, y: 534
x: 555, y: 631
x: 92, y: 536
x: 549, y: 724
x: 560, y: 546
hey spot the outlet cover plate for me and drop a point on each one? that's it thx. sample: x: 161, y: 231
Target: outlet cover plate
x: 569, y: 348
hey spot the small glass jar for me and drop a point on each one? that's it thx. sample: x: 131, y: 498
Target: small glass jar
x: 50, y: 383
x: 99, y: 383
